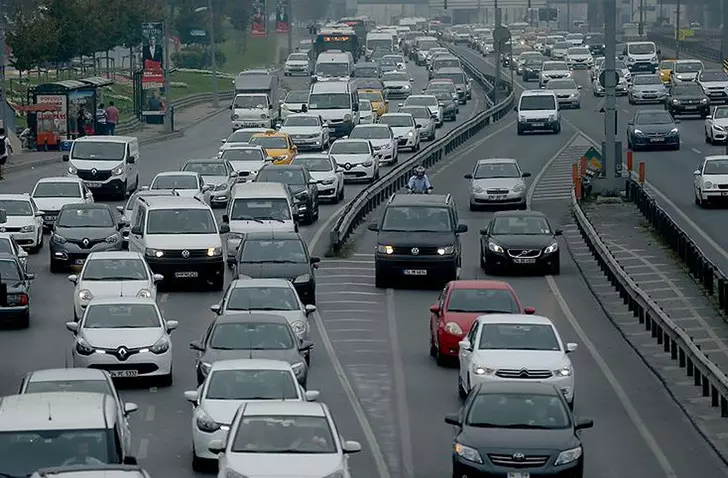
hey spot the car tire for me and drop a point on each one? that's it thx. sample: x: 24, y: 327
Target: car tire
x: 380, y: 281
x: 555, y: 269
x: 24, y: 322
x: 55, y: 267
x: 218, y: 282
x: 39, y: 245
x: 167, y: 380
x: 199, y: 465
x: 341, y: 195
x: 708, y: 139
x: 520, y: 130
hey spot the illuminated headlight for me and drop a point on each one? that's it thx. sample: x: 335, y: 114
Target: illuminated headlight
x: 563, y: 372
x: 145, y: 294
x: 707, y: 185
x: 367, y: 164
x: 568, y: 456
x: 85, y: 295
x: 302, y: 279
x: 495, y: 247
x: 385, y: 249
x: 299, y: 327
x: 675, y: 131
x: 705, y: 100
x: 552, y: 248
x: 482, y: 370
x: 58, y: 239
x: 112, y: 239
x: 518, y: 188
x: 676, y: 101
x: 467, y: 453
x: 453, y: 328
x: 680, y: 77
x: 299, y: 368
x: 406, y: 87
x: 29, y: 228
x: 638, y: 132
x: 162, y: 346
x: 410, y: 134
x: 442, y: 251
x: 117, y: 171
x: 214, y: 251
x: 153, y: 253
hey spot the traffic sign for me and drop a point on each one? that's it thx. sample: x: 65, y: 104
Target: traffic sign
x: 501, y: 34
x: 593, y: 159
x: 603, y: 78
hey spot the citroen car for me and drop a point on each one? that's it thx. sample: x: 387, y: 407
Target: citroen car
x: 647, y: 88
x: 651, y: 129
x: 497, y: 182
x: 716, y: 125
x: 307, y: 131
x: 218, y: 175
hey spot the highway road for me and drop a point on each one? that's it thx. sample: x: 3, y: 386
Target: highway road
x: 161, y: 427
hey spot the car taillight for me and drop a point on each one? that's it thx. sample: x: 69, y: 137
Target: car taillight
x: 15, y: 300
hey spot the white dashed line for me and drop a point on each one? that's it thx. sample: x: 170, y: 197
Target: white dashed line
x: 697, y: 151
x: 143, y: 449
x: 151, y: 411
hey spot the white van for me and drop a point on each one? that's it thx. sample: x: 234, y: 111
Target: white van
x: 641, y: 56
x: 379, y: 41
x: 538, y: 110
x: 337, y: 102
x: 334, y: 64
x: 256, y: 207
x: 106, y: 164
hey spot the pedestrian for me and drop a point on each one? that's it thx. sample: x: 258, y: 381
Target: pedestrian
x: 81, y: 122
x: 5, y: 150
x: 112, y: 118
x: 101, y: 120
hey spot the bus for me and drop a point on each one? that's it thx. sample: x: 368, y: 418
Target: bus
x: 359, y: 25
x: 342, y: 40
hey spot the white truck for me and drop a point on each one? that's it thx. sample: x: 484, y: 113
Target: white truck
x: 256, y: 103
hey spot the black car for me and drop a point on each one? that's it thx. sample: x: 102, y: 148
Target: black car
x: 278, y: 255
x: 596, y: 44
x: 299, y: 181
x: 245, y: 335
x: 687, y: 99
x: 16, y: 308
x: 652, y: 128
x: 418, y: 238
x: 518, y: 241
x: 512, y: 428
x: 82, y: 229
x: 532, y: 69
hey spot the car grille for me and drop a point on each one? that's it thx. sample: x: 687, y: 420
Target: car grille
x: 180, y: 253
x: 496, y: 191
x: 86, y: 243
x: 421, y: 251
x: 523, y: 373
x: 564, y: 97
x: 141, y: 368
x: 120, y: 353
x: 723, y: 186
x: 517, y: 460
x: 394, y: 87
x: 9, y: 229
x: 402, y: 141
x: 88, y: 175
x: 690, y: 102
x: 524, y: 253
x: 536, y: 120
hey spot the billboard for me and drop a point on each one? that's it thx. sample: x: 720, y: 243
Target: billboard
x: 282, y: 24
x: 258, y: 19
x: 153, y: 69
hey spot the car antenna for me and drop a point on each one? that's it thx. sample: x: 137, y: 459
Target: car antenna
x: 50, y: 414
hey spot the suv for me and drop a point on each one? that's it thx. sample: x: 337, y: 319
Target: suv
x: 179, y: 238
x: 303, y: 187
x: 418, y: 238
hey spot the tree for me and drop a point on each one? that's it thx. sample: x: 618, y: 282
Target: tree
x: 71, y: 29
x: 31, y: 38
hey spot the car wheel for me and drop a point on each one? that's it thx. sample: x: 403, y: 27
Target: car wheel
x: 380, y: 281
x: 198, y: 464
x: 24, y: 322
x: 340, y: 197
x: 433, y: 347
x: 708, y: 139
x: 555, y: 269
x: 55, y: 267
x: 217, y: 282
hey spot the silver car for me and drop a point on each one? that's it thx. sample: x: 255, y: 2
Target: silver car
x: 497, y: 182
x: 295, y: 101
x: 246, y: 160
x: 220, y: 175
x: 239, y: 137
x: 686, y: 70
x: 567, y: 91
x: 425, y: 120
x: 552, y: 70
x: 381, y: 138
x: 431, y: 102
x: 647, y: 88
x: 715, y: 84
x: 307, y: 131
x: 397, y: 84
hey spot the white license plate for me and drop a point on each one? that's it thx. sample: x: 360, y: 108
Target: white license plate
x: 518, y: 474
x: 657, y: 140
x: 524, y: 261
x: 415, y: 272
x: 691, y: 107
x: 79, y: 262
x: 123, y: 373
x: 496, y: 196
x: 50, y: 218
x: 538, y: 125
x: 185, y: 275
x: 94, y: 184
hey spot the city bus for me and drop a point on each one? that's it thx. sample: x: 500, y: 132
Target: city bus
x: 343, y: 40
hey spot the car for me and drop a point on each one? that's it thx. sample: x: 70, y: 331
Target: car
x: 297, y: 64
x: 186, y: 183
x: 575, y: 39
x: 665, y: 69
x: 538, y: 110
x: 497, y: 182
x: 241, y: 137
x: 567, y: 92
x: 307, y: 131
x: 247, y: 335
x: 499, y: 418
x: 51, y: 194
x: 382, y: 138
x: 647, y: 88
x: 686, y: 71
x: 8, y: 245
x: 525, y: 56
x: 553, y: 70
x: 17, y: 281
x: 560, y: 50
x: 517, y: 241
x: 112, y: 274
x: 443, y: 61
x: 426, y: 121
x: 687, y: 98
x: 531, y: 69
x: 443, y: 84
x: 430, y: 101
x: 298, y: 180
x: 460, y: 303
x: 296, y: 101
x: 463, y: 84
x: 367, y: 83
x: 126, y: 336
x: 23, y: 220
x: 715, y: 84
x: 399, y: 60
x: 128, y: 211
x: 246, y: 160
x: 579, y: 57
x: 277, y: 145
x: 387, y: 63
x: 598, y: 64
x: 366, y: 70
x: 449, y: 104
x: 622, y: 68
x: 716, y: 125
x: 92, y: 471
x: 80, y: 230
x: 418, y: 237
x: 397, y: 84
x: 596, y: 43
x: 710, y: 180
x: 652, y: 128
x: 367, y: 115
x: 219, y: 177
x: 303, y: 436
x: 376, y: 97
x: 357, y: 157
x: 229, y: 385
x: 404, y: 128
x: 328, y: 175
x: 622, y: 88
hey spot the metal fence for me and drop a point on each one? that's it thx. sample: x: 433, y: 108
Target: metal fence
x: 698, y: 49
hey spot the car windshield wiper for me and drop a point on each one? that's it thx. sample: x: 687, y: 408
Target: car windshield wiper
x: 281, y: 262
x: 514, y: 426
x: 247, y: 218
x: 112, y: 278
x: 487, y: 311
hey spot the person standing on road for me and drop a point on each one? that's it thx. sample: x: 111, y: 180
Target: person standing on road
x: 112, y: 118
x: 101, y: 120
x: 5, y: 150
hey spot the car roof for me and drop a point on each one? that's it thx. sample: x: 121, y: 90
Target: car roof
x: 259, y: 190
x: 60, y: 179
x: 298, y: 115
x: 497, y: 161
x: 115, y: 255
x: 519, y: 214
x: 481, y: 284
x: 244, y: 146
x: 449, y: 69
x: 371, y: 125
x: 271, y: 407
x: 174, y: 202
x: 242, y: 317
x: 274, y: 235
x: 250, y: 364
x: 429, y: 97
x: 396, y: 114
x: 311, y: 156
x: 122, y: 301
x: 514, y: 319
x: 57, y: 410
x: 106, y: 139
x: 516, y: 386
x: 15, y: 197
x: 67, y: 374
x: 419, y: 200
x: 178, y: 173
x: 717, y: 157
x: 155, y: 192
x: 251, y: 283
x: 92, y: 471
x: 282, y: 167
x: 92, y: 205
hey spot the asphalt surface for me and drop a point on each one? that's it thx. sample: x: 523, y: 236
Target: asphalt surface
x: 161, y: 427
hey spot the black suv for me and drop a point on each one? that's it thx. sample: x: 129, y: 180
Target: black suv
x: 302, y: 186
x: 418, y: 238
x: 687, y: 99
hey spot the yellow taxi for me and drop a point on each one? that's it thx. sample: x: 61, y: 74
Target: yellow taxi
x: 277, y: 145
x: 380, y: 106
x: 666, y: 67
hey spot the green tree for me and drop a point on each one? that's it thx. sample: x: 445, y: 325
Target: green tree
x: 71, y: 29
x: 31, y: 39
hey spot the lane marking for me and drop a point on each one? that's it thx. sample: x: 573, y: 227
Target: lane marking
x: 696, y: 151
x: 150, y: 413
x: 143, y: 451
x: 544, y: 169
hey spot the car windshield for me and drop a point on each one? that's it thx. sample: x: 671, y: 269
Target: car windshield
x: 530, y: 55
x: 716, y: 166
x: 690, y: 89
x: 561, y: 45
x: 207, y: 168
x: 520, y: 225
x: 578, y: 51
x: 646, y: 80
x: 574, y: 36
x: 714, y: 75
x: 387, y: 62
x: 85, y: 217
x: 332, y: 69
x: 57, y: 190
x: 442, y: 95
x: 511, y: 410
x: 298, y: 96
x: 373, y: 96
x: 252, y: 385
x: 720, y: 113
x: 441, y: 86
x: 446, y: 63
x: 251, y: 336
x: 482, y: 300
x: 427, y: 45
x: 641, y: 48
x: 98, y: 150
x: 367, y: 71
x: 274, y: 250
x: 9, y: 271
x: 417, y: 111
x: 121, y: 316
x: 262, y: 298
x: 298, y: 57
x: 24, y: 452
x: 396, y: 121
x: 595, y: 39
x: 421, y: 101
x: 291, y: 177
x: 417, y: 219
x: 6, y: 247
x: 371, y: 132
x: 365, y: 105
x: 15, y: 207
x: 368, y: 84
x: 115, y: 270
x: 286, y: 435
x: 247, y: 154
x: 270, y: 142
x: 496, y: 170
x: 175, y: 181
x: 181, y: 221
x: 667, y: 65
x: 88, y: 386
x: 561, y: 85
x: 395, y: 76
x: 250, y: 102
x: 688, y: 67
x: 555, y: 66
x: 518, y: 337
x: 457, y: 78
x: 242, y: 136
x: 537, y: 103
x: 296, y: 121
x: 653, y: 117
x: 260, y: 209
x: 350, y: 147
x: 315, y: 164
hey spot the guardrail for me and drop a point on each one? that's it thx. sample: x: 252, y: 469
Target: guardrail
x: 693, y: 48
x: 380, y: 190
x: 673, y: 339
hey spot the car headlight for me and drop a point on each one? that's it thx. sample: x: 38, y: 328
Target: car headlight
x: 112, y: 239
x: 495, y: 247
x: 410, y: 133
x: 206, y: 424
x: 675, y: 101
x: 478, y: 189
x: 717, y: 128
x: 153, y: 252
x: 347, y: 117
x: 263, y: 116
x: 521, y: 119
x: 707, y: 185
x: 214, y: 251
x: 235, y: 235
x: 302, y: 279
x: 160, y: 347
x: 58, y: 239
x: 29, y: 228
x: 482, y: 370
x: 367, y: 164
x: 85, y: 295
x: 563, y: 372
x: 552, y: 248
x: 144, y: 294
x: 84, y: 348
x: 453, y: 328
x: 72, y: 170
x: 385, y: 249
x: 406, y: 87
x: 674, y: 131
x: 299, y: 327
x: 518, y: 188
x: 704, y: 101
x: 299, y: 368
x: 442, y: 251
x: 328, y: 181
x: 117, y: 171
x: 205, y: 367
x: 552, y: 117
x: 221, y: 187
x: 568, y: 456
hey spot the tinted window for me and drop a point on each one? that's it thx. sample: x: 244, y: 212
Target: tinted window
x: 578, y: 51
x: 365, y: 105
x: 332, y: 69
x: 518, y: 411
x: 89, y: 386
x: 364, y: 71
x: 315, y: 164
x: 457, y: 78
x: 688, y: 67
x: 561, y: 84
x: 482, y: 300
x: 518, y: 337
x: 173, y: 181
x: 537, y: 103
x: 667, y: 65
x: 6, y: 247
x: 251, y: 102
x: 85, y: 217
x: 284, y: 434
x: 396, y: 120
x: 252, y: 209
x: 262, y: 298
x: 269, y: 142
x: 302, y: 121
x: 420, y: 101
x: 350, y: 147
x: 517, y: 225
x: 247, y: 336
x: 251, y: 385
x: 249, y: 154
x: 497, y: 170
x: 207, y: 168
x: 395, y: 76
x: 417, y: 219
x: 641, y: 48
x: 646, y: 80
x: 242, y: 136
x: 555, y: 66
x: 714, y: 75
x: 373, y: 96
x: 369, y: 132
x: 181, y: 221
x: 273, y: 250
x: 561, y: 45
x: 14, y: 207
x: 657, y: 117
x: 115, y: 270
x: 9, y: 271
x: 57, y: 190
x: 299, y: 96
x: 282, y: 175
x: 417, y: 111
x: 98, y: 151
x: 720, y: 113
x: 117, y: 316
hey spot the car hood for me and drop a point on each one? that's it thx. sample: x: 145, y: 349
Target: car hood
x: 276, y: 465
x: 642, y: 88
x: 55, y: 204
x: 528, y: 441
x: 655, y: 128
x: 343, y: 159
x: 716, y: 178
x: 271, y: 270
x: 92, y: 233
x: 216, y: 180
x: 247, y: 166
x: 130, y: 338
x: 292, y: 106
x: 244, y: 227
x: 718, y: 122
x: 400, y: 131
x: 296, y: 188
x: 223, y: 411
x: 185, y: 193
x: 523, y: 241
x: 17, y: 221
x: 688, y: 97
x: 566, y: 92
x: 519, y: 359
x: 288, y: 355
x: 409, y: 239
x: 555, y: 72
x: 294, y: 130
x: 322, y: 175
x: 336, y: 114
x: 714, y: 84
x: 396, y: 84
x: 579, y: 57
x: 686, y: 76
x: 108, y: 289
x: 190, y: 241
x: 497, y: 183
x: 463, y: 319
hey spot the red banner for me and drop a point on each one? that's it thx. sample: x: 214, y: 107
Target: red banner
x: 258, y: 19
x: 282, y: 25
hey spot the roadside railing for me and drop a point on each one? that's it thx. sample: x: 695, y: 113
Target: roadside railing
x: 380, y: 190
x: 697, y: 49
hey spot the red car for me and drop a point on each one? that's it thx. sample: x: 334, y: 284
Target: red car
x: 459, y: 304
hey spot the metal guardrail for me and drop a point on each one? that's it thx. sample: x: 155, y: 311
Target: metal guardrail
x: 380, y: 190
x: 693, y: 48
x: 673, y: 339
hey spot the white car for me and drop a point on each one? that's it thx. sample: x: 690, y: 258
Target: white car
x: 716, y: 125
x: 382, y: 139
x: 552, y: 70
x: 51, y: 194
x: 430, y: 101
x: 708, y: 179
x: 307, y: 131
x: 127, y: 336
x: 405, y: 129
x: 397, y: 84
x: 357, y: 157
x: 8, y: 245
x: 579, y: 57
x: 24, y: 221
x: 567, y: 91
x: 328, y: 175
x: 187, y: 184
x: 295, y: 101
x: 366, y: 112
x: 515, y: 347
x: 686, y: 70
x: 715, y: 84
x: 112, y: 274
x: 239, y: 137
x: 230, y: 384
x: 560, y: 49
x: 621, y: 66
x: 398, y: 60
x: 297, y: 64
x: 301, y: 439
x: 246, y: 160
x: 575, y: 39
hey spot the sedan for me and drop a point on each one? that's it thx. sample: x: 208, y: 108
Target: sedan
x: 448, y: 103
x: 516, y: 241
x: 51, y: 194
x: 622, y: 88
x: 8, y: 245
x: 531, y: 69
x: 382, y: 140
x: 431, y: 102
x: 328, y: 175
x: 357, y: 157
x: 112, y: 274
x: 17, y: 282
x: 307, y: 131
x: 302, y: 187
x: 715, y: 84
x: 297, y: 64
x: 295, y: 101
x: 709, y: 180
x: 499, y: 418
x: 367, y: 115
x: 219, y: 176
x: 716, y: 125
x: 398, y: 60
x: 127, y: 336
x: 405, y: 130
x: 686, y: 71
x: 23, y: 220
x: 426, y: 121
x: 397, y: 84
x: 246, y: 160
x: 553, y: 70
x: 497, y: 182
x: 647, y: 88
x: 243, y: 135
x: 652, y: 128
x: 579, y: 57
x: 687, y: 99
x: 185, y: 183
x: 567, y: 92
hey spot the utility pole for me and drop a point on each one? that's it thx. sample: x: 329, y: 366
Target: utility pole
x: 289, y: 14
x: 213, y: 56
x: 677, y: 31
x: 3, y: 63
x: 724, y: 39
x: 609, y: 153
x: 642, y: 18
x: 568, y: 16
x: 168, y: 126
x: 498, y: 52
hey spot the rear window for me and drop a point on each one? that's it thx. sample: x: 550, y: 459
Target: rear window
x: 537, y: 102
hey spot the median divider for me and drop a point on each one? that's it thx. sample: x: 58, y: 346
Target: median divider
x: 696, y: 49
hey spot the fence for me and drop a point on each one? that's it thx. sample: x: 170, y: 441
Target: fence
x: 697, y: 49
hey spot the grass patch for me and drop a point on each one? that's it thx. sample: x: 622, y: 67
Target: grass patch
x: 258, y: 52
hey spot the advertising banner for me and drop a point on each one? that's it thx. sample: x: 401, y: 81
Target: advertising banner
x: 282, y: 24
x: 55, y: 122
x: 259, y: 19
x: 153, y: 70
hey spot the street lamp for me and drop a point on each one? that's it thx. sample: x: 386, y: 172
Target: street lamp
x: 213, y: 59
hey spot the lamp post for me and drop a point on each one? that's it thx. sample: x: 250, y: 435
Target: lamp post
x: 213, y: 52
x: 3, y: 71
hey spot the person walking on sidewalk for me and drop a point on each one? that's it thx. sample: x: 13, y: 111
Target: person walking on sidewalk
x: 112, y: 118
x: 5, y: 150
x: 101, y: 120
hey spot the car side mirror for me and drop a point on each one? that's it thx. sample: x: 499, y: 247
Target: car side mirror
x: 453, y: 419
x: 696, y: 172
x: 659, y: 52
x: 305, y: 346
x: 39, y: 213
x: 373, y: 227
x: 216, y: 308
x: 224, y: 140
x: 462, y: 228
x: 216, y: 446
x: 73, y: 278
x: 130, y: 460
x: 311, y: 395
x: 558, y: 232
x: 23, y: 254
x: 529, y: 311
x: 157, y: 278
x: 435, y: 309
x: 131, y: 159
x: 483, y: 231
x: 310, y: 309
x: 192, y: 396
x: 571, y: 347
x: 419, y: 126
x: 315, y: 260
x: 72, y: 327
x: 144, y: 188
x: 122, y: 224
x: 197, y: 345
x: 136, y: 231
x: 120, y: 209
x: 578, y: 87
x: 584, y: 423
x: 224, y: 228
x: 709, y: 117
x: 66, y: 158
x: 172, y: 325
x: 526, y: 175
x: 130, y: 408
x: 30, y: 276
x: 351, y: 446
x: 515, y: 108
x: 465, y: 345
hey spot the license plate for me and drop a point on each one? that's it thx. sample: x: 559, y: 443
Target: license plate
x: 538, y: 124
x: 524, y: 261
x: 94, y: 184
x: 518, y: 474
x: 50, y: 218
x: 496, y: 196
x: 123, y: 373
x: 79, y: 262
x: 657, y: 140
x: 415, y: 272
x: 650, y: 96
x: 185, y: 275
x: 691, y: 107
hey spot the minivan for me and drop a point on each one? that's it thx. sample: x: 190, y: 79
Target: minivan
x: 538, y: 110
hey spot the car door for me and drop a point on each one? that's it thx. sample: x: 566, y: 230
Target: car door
x: 465, y: 355
x: 136, y: 234
x: 435, y: 318
x: 698, y: 178
x: 339, y: 171
x: 21, y: 253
